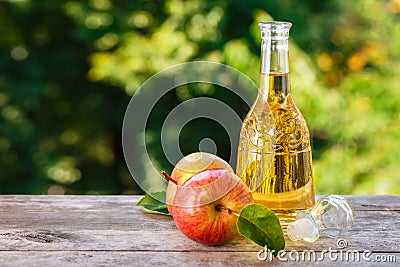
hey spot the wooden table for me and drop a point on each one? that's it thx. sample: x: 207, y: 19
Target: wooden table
x: 113, y: 231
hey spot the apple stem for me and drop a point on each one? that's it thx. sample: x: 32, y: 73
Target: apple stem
x: 223, y: 208
x: 168, y: 178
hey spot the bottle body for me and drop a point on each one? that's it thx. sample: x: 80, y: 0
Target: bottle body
x: 274, y: 156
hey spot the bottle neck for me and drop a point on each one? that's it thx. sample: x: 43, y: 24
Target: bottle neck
x: 274, y: 56
x: 274, y: 79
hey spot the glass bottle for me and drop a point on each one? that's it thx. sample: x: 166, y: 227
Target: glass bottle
x: 274, y: 155
x: 331, y: 216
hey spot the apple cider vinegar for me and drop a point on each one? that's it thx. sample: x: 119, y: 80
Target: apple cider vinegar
x: 274, y: 156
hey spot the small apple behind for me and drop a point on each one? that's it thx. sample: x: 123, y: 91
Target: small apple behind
x: 189, y: 166
x: 206, y: 206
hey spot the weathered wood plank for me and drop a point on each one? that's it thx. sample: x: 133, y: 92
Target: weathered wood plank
x: 21, y: 203
x: 375, y: 202
x: 161, y: 258
x: 112, y: 230
x: 109, y: 232
x: 128, y: 228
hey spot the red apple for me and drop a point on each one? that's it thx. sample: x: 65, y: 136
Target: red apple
x: 206, y: 206
x: 189, y: 166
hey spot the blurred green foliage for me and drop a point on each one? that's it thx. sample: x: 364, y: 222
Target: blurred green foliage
x: 69, y: 68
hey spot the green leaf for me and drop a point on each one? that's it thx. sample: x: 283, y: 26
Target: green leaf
x: 261, y: 225
x: 161, y: 211
x: 153, y: 199
x: 154, y: 203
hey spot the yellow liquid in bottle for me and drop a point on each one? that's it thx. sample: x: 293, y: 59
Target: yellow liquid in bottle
x: 277, y: 167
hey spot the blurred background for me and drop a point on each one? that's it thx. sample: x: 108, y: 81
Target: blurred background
x: 69, y: 68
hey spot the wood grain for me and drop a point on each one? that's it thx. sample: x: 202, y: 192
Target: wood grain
x: 112, y: 230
